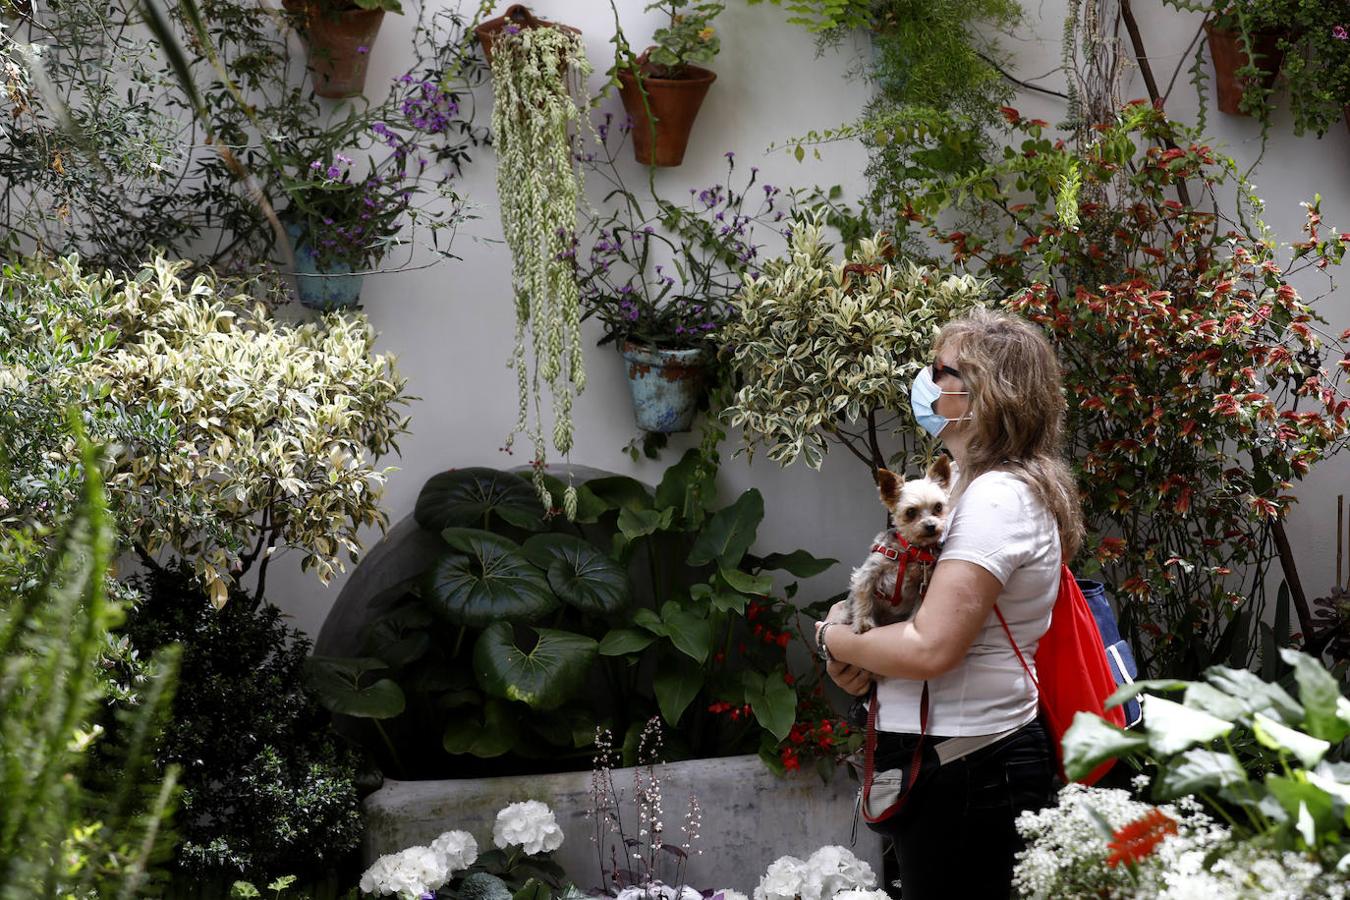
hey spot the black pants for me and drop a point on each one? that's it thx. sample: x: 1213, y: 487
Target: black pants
x: 955, y: 837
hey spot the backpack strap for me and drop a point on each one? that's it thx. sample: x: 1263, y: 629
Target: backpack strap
x: 869, y: 752
x: 1018, y: 650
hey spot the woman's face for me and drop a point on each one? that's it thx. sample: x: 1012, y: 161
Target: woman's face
x: 948, y: 378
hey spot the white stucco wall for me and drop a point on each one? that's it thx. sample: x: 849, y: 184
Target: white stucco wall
x: 451, y: 326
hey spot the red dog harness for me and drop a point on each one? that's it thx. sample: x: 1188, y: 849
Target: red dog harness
x: 907, y: 554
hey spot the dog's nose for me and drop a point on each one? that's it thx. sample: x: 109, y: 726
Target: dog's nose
x: 930, y: 528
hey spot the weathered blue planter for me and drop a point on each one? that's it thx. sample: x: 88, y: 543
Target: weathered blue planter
x: 666, y: 385
x: 328, y: 288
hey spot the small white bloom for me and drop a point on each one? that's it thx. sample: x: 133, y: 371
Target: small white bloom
x: 457, y: 850
x: 531, y: 825
x: 783, y: 880
x: 728, y: 894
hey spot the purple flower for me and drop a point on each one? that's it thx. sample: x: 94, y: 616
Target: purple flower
x: 333, y: 172
x: 363, y: 49
x: 729, y: 155
x: 1340, y: 33
x: 512, y: 29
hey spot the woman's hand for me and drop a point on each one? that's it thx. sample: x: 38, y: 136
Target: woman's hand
x: 852, y: 679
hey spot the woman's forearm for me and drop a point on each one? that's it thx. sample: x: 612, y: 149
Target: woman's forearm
x: 891, y: 651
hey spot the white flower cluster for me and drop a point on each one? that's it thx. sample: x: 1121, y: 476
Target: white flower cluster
x: 415, y: 871
x: 530, y: 825
x: 1066, y: 856
x: 658, y: 890
x: 828, y: 873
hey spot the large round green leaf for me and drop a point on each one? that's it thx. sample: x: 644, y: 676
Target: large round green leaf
x: 470, y: 498
x: 483, y: 579
x: 350, y: 686
x: 547, y: 676
x: 579, y: 574
x: 400, y: 637
x: 493, y: 733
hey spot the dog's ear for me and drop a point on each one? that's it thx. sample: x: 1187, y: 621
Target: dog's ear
x: 941, y: 471
x: 888, y: 485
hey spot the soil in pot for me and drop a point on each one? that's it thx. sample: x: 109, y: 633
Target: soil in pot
x: 339, y: 49
x: 1225, y: 48
x: 661, y: 138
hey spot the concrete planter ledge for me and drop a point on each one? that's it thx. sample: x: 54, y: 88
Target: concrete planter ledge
x: 750, y: 816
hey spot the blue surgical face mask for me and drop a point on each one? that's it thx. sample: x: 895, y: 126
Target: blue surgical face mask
x: 923, y: 393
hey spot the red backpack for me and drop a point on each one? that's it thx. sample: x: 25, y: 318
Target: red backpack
x: 1073, y: 673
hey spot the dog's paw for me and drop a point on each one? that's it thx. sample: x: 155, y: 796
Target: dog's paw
x: 864, y: 624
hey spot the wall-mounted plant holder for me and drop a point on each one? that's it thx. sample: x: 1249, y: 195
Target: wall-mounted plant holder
x: 662, y: 125
x: 517, y: 16
x: 1230, y: 57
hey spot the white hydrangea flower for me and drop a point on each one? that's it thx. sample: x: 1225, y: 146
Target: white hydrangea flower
x: 783, y: 880
x: 836, y: 869
x: 529, y: 824
x: 862, y: 894
x: 457, y: 850
x: 407, y: 874
x: 728, y: 894
x: 657, y: 890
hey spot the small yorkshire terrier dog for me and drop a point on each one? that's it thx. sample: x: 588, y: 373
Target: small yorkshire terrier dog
x: 889, y: 585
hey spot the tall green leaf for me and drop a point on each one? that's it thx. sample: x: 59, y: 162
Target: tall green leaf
x: 729, y: 533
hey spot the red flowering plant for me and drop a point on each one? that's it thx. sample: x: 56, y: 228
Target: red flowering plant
x: 1201, y: 383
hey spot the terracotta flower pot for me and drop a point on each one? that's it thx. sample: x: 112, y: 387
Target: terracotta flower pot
x: 674, y: 104
x: 665, y: 384
x: 1225, y: 48
x: 517, y: 15
x: 339, y: 49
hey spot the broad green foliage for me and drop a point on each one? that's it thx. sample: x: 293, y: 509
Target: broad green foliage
x: 230, y: 433
x: 539, y: 186
x: 1284, y: 789
x: 821, y: 345
x: 59, y: 838
x: 526, y: 634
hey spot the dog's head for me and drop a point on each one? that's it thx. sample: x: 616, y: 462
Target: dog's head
x: 919, y: 506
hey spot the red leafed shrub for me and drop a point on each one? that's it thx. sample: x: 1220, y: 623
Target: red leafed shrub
x: 1201, y: 383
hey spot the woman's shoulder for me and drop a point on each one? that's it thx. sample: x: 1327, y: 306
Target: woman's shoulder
x: 997, y: 488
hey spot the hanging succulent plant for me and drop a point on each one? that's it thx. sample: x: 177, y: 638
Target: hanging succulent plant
x: 535, y: 118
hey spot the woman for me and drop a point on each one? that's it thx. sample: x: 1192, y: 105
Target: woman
x: 994, y: 397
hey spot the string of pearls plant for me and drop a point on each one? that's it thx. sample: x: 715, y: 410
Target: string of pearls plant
x: 534, y: 119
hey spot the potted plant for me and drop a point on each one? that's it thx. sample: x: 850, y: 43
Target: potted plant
x: 341, y: 34
x: 534, y: 118
x: 516, y: 17
x: 341, y: 223
x: 662, y: 89
x: 1318, y: 71
x: 658, y: 278
x: 1246, y: 42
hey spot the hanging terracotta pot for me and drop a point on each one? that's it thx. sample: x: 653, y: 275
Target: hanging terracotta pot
x: 517, y: 15
x: 1225, y: 48
x: 661, y: 138
x: 339, y: 49
x: 666, y: 385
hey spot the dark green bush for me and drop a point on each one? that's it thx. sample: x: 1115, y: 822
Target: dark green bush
x: 268, y: 789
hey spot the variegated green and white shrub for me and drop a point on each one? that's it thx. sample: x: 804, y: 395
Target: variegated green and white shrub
x: 231, y: 435
x: 825, y: 350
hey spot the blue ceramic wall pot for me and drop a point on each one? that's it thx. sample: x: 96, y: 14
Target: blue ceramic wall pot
x: 323, y: 288
x: 666, y: 385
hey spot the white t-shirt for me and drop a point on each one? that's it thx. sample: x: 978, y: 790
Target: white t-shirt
x: 1000, y: 525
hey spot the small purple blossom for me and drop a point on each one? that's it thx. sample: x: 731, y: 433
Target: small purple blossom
x: 1340, y: 33
x: 363, y: 49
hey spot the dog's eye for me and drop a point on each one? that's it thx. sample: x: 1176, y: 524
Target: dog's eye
x: 937, y: 509
x: 910, y: 514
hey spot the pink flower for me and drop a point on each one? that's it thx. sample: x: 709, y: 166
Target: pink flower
x: 1340, y: 33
